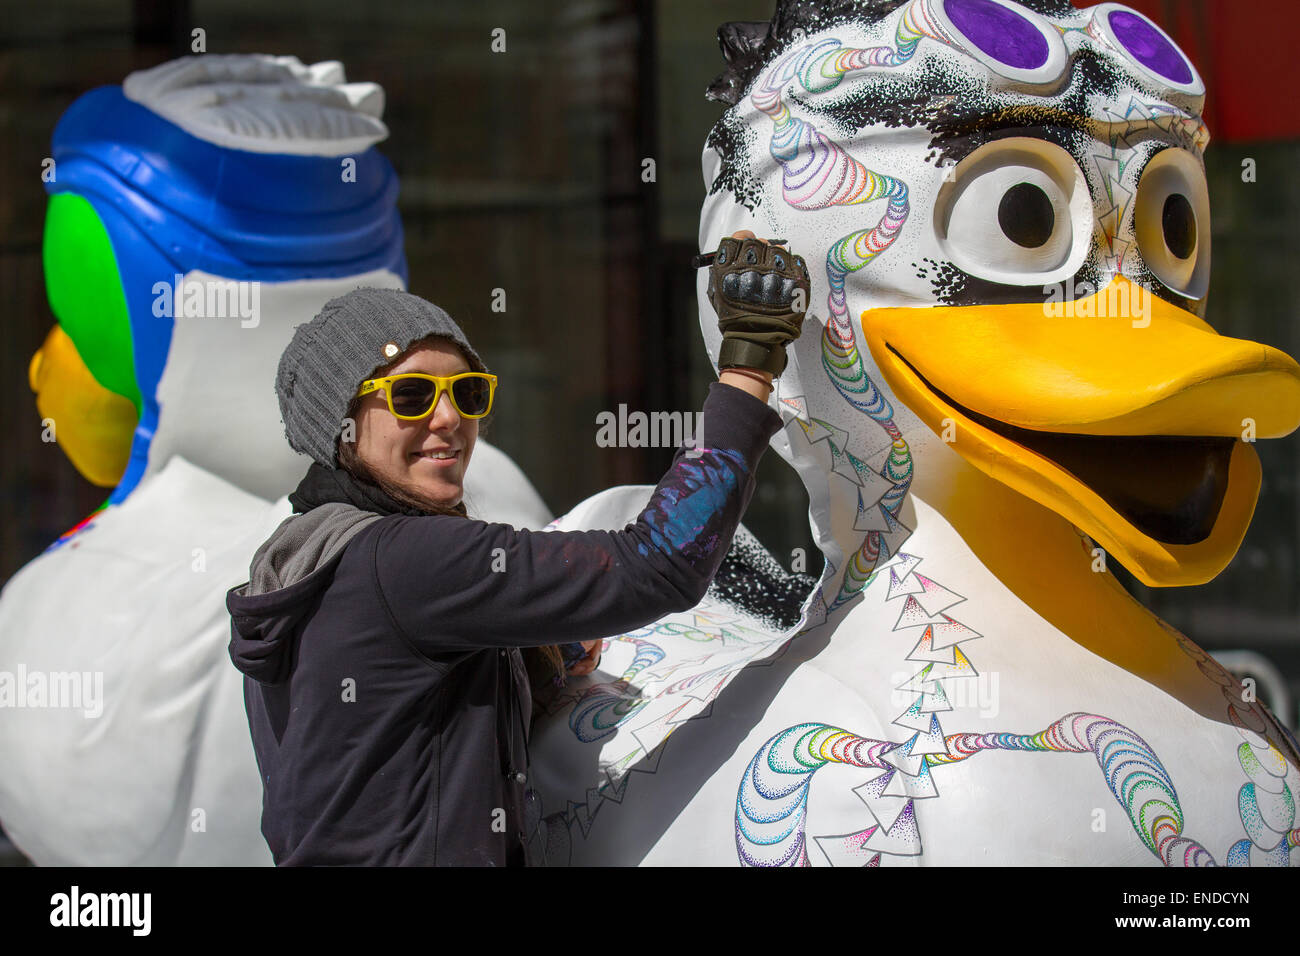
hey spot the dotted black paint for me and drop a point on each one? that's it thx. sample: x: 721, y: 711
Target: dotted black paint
x: 751, y: 580
x: 733, y: 140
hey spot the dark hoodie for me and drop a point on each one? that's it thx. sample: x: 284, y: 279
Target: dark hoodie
x: 386, y: 696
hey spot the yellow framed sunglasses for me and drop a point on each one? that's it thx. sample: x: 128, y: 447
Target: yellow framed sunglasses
x: 414, y: 395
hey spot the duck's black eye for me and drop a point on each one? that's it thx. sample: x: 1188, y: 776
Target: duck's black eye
x: 1026, y: 215
x: 1179, y: 223
x: 1171, y: 217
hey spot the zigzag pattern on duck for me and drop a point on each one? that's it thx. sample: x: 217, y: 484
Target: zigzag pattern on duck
x: 771, y: 803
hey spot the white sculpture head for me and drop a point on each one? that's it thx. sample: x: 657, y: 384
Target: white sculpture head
x: 1005, y: 212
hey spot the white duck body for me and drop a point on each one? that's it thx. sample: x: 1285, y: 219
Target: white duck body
x: 967, y: 684
x: 156, y: 767
x: 1144, y: 754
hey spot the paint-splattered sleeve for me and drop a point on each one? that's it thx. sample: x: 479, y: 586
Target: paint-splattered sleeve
x: 449, y: 583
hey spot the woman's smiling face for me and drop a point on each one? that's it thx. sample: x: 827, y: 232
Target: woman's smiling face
x: 427, y: 458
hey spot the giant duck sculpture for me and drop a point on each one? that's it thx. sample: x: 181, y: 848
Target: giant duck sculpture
x: 1011, y: 381
x: 197, y: 214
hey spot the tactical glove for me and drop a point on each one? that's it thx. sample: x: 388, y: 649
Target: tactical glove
x: 754, y: 288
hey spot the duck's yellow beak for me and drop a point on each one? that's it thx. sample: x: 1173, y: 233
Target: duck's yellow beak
x: 93, y: 426
x: 1126, y: 415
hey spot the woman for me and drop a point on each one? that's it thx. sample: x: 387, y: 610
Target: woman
x: 380, y: 627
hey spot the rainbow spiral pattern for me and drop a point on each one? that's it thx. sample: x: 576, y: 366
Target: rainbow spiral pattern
x: 771, y: 805
x: 817, y: 174
x: 1132, y: 770
x: 1265, y: 803
x: 824, y: 65
x: 601, y: 709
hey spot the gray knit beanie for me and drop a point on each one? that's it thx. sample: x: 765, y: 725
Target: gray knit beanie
x: 330, y: 356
